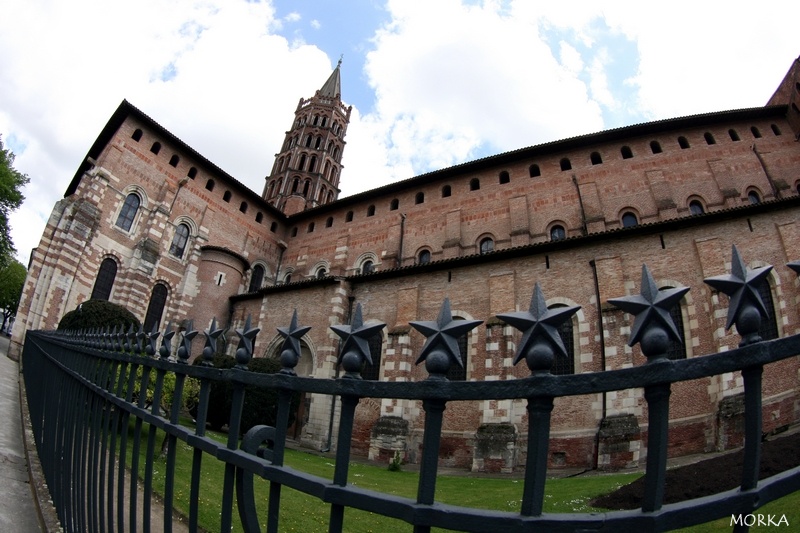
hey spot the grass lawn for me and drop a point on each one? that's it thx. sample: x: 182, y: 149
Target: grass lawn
x: 305, y: 514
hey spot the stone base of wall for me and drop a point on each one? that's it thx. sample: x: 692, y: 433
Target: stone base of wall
x: 730, y: 422
x: 495, y: 448
x: 389, y: 437
x: 619, y: 442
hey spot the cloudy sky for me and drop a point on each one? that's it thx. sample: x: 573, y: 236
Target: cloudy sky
x: 432, y: 82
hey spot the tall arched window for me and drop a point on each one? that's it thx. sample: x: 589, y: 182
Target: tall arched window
x: 372, y: 372
x: 158, y: 299
x: 367, y: 267
x: 105, y: 280
x: 128, y: 212
x: 256, y: 278
x: 565, y: 365
x: 486, y: 245
x: 179, y: 240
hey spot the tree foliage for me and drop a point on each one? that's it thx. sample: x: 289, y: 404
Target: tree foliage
x: 98, y: 314
x: 11, y: 183
x: 12, y: 278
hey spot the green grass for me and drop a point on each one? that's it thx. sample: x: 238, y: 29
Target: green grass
x: 303, y: 513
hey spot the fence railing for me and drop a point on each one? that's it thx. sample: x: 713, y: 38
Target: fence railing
x: 83, y: 387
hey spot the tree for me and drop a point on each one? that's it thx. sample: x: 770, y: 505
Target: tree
x: 11, y: 183
x: 100, y: 314
x: 12, y: 278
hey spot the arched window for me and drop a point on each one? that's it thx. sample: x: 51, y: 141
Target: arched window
x: 557, y: 233
x: 563, y: 366
x: 769, y: 325
x: 534, y: 171
x: 210, y: 185
x: 128, y: 212
x: 227, y: 196
x: 696, y: 208
x: 371, y: 211
x: 311, y: 227
x: 179, y: 240
x: 294, y: 232
x: 256, y: 278
x: 192, y: 174
x: 348, y: 217
x: 367, y: 267
x: 775, y: 129
x: 504, y: 177
x: 105, y: 280
x: 273, y: 227
x: 419, y: 198
x: 733, y: 135
x: 486, y: 245
x: 174, y: 160
x: 709, y: 138
x: 446, y: 191
x: 458, y: 372
x: 626, y: 152
x: 259, y: 217
x: 756, y: 132
x: 329, y: 222
x: 156, y: 147
x: 321, y: 272
x: 655, y: 147
x: 372, y: 372
x: 424, y: 257
x: 243, y: 207
x: 753, y: 197
x: 394, y: 204
x: 137, y: 135
x: 155, y: 308
x: 683, y: 143
x: 474, y: 184
x: 629, y: 220
x: 595, y: 158
x: 287, y: 278
x: 565, y: 164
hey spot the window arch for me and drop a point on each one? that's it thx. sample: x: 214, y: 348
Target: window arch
x: 424, y: 257
x: 105, y: 280
x: 210, y: 185
x: 558, y: 233
x: 321, y: 272
x: 259, y: 217
x: 329, y: 222
x: 474, y: 184
x: 629, y: 219
x: 753, y: 197
x: 565, y: 164
x: 775, y: 129
x: 394, y: 204
x: 733, y: 135
x: 156, y: 147
x: 683, y: 143
x: 179, y: 240
x: 227, y: 196
x: 371, y: 210
x: 756, y: 132
x: 137, y: 135
x: 534, y: 171
x: 655, y: 147
x: 348, y: 217
x: 128, y: 212
x: 174, y: 160
x: 192, y: 174
x: 155, y: 308
x: 446, y: 191
x: 311, y: 227
x: 696, y: 207
x: 709, y: 138
x: 486, y: 245
x: 367, y: 267
x: 563, y: 366
x: 256, y: 278
x: 243, y: 207
x: 504, y: 177
x: 596, y: 158
x: 419, y: 198
x: 626, y: 152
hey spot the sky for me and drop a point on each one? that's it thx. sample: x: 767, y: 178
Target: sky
x: 433, y: 83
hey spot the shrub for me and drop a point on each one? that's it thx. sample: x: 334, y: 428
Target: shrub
x: 98, y: 314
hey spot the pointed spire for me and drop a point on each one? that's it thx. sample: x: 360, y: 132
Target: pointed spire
x: 333, y: 86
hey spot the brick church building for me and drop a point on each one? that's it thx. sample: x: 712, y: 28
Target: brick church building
x: 149, y: 223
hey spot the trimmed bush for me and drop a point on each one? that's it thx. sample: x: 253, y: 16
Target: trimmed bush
x: 98, y: 314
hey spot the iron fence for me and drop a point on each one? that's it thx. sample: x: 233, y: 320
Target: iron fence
x: 82, y: 387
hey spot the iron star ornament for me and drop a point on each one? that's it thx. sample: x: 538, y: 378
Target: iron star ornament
x: 213, y: 333
x: 355, y: 349
x: 185, y: 349
x: 539, y: 326
x: 746, y: 309
x: 166, y: 341
x: 245, y: 350
x: 290, y: 351
x: 653, y: 326
x: 441, y: 346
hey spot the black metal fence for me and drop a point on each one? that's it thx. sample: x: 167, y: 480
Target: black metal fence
x: 83, y: 387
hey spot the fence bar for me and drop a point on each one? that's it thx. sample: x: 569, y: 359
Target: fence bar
x: 657, y: 397
x: 429, y: 466
x: 349, y: 404
x: 279, y: 445
x: 539, y: 410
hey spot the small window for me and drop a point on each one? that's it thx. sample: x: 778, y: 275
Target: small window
x: 287, y: 278
x: 474, y: 184
x: 733, y: 135
x: 558, y: 233
x: 683, y: 143
x: 756, y: 132
x: 626, y: 152
x: 534, y: 171
x: 595, y: 158
x: 753, y: 197
x: 210, y: 185
x: 348, y: 217
x: 504, y: 177
x: 655, y: 147
x: 367, y: 267
x: 156, y: 147
x: 371, y: 211
x: 419, y: 198
x: 321, y: 272
x: 311, y: 227
x: 486, y: 245
x: 294, y: 232
x: 273, y: 227
x: 775, y: 129
x: 227, y: 196
x: 128, y: 212
x: 709, y: 138
x: 424, y: 257
x: 565, y: 164
x: 179, y: 241
x: 173, y: 161
x: 192, y: 174
x: 256, y: 278
x: 329, y: 222
x: 446, y: 191
x: 243, y: 207
x: 696, y: 208
x: 137, y: 135
x: 259, y: 217
x: 394, y: 204
x: 629, y: 220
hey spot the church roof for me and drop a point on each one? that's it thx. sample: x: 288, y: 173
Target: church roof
x: 333, y: 87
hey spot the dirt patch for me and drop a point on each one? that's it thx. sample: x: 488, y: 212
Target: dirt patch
x: 710, y: 476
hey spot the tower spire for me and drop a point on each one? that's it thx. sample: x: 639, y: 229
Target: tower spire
x: 307, y: 169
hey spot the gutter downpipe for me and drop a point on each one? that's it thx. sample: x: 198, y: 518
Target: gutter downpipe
x: 593, y: 265
x: 327, y: 448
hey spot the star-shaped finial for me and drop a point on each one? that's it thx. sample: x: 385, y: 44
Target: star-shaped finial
x: 794, y: 265
x: 746, y: 309
x: 141, y: 337
x: 442, y: 341
x: 653, y: 325
x: 539, y: 326
x: 213, y: 333
x: 290, y: 350
x: 355, y: 349
x: 245, y: 350
x: 166, y: 341
x: 185, y: 350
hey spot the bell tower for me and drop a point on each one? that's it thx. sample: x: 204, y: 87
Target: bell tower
x: 307, y: 169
